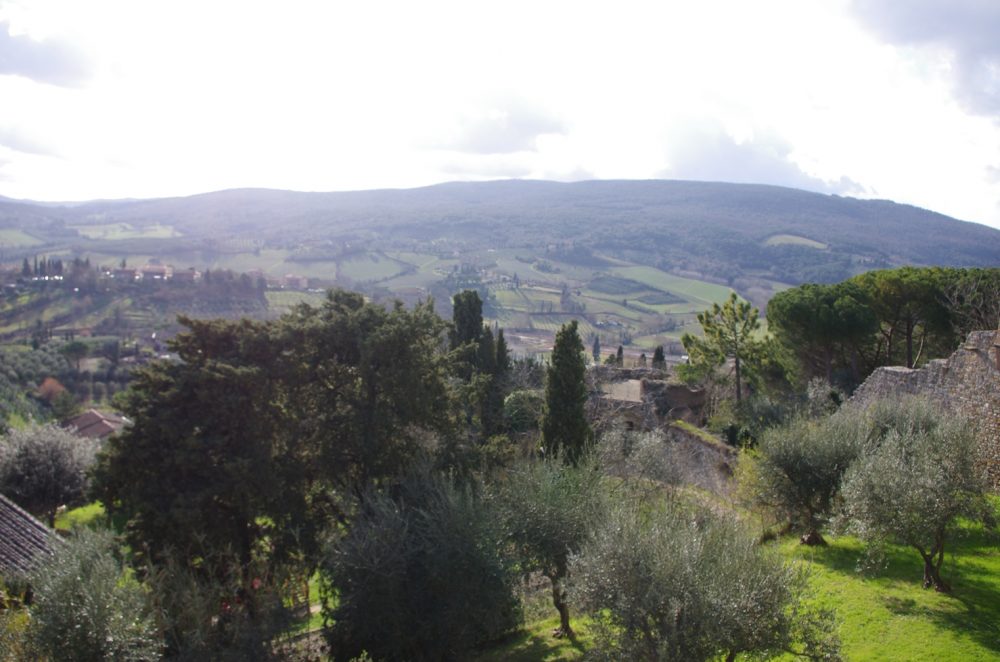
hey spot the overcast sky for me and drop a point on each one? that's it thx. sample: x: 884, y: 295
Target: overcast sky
x: 870, y: 98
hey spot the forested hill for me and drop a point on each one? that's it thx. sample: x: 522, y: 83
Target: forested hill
x: 716, y: 229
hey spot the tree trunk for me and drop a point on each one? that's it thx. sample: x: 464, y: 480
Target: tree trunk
x: 559, y: 600
x: 932, y: 569
x: 812, y: 537
x: 739, y: 390
x: 909, y: 344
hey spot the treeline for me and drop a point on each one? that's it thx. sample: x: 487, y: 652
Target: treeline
x: 905, y: 316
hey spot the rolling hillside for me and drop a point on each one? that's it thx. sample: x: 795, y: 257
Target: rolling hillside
x: 635, y: 260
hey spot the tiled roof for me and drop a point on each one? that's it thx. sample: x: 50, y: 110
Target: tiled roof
x: 22, y: 538
x: 94, y: 425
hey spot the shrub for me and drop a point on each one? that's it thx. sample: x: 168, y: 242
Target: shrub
x: 418, y: 577
x: 87, y: 607
x: 676, y: 584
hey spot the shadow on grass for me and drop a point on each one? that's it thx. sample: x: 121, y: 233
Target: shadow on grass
x: 972, y: 568
x: 533, y: 645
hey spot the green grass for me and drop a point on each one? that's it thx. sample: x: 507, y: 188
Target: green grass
x: 17, y: 238
x: 535, y: 642
x: 273, y: 262
x: 371, y: 267
x: 887, y: 615
x: 87, y: 515
x: 883, y: 614
x: 117, y: 231
x: 794, y: 240
x: 696, y: 291
x: 282, y: 301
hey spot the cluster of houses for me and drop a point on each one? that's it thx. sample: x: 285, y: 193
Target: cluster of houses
x: 153, y: 272
x: 165, y: 272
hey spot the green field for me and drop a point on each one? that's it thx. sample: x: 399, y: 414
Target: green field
x: 696, y: 291
x: 273, y: 262
x: 371, y: 267
x: 794, y: 240
x: 18, y: 239
x: 280, y: 302
x: 117, y: 231
x: 617, y: 302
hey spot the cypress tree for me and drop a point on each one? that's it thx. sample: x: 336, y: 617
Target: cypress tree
x: 565, y: 431
x: 467, y: 318
x: 503, y: 355
x: 659, y: 360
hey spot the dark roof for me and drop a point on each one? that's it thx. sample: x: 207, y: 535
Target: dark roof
x: 95, y: 425
x: 22, y: 538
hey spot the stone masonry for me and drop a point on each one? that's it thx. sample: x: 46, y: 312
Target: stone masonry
x: 967, y: 383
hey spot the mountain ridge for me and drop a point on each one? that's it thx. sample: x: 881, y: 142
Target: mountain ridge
x: 715, y: 228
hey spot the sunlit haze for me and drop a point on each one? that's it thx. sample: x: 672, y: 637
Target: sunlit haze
x: 881, y: 99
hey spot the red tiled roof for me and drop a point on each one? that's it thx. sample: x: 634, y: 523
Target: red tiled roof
x: 95, y: 425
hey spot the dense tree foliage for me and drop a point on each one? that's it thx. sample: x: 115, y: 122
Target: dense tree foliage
x: 45, y: 467
x: 263, y: 432
x: 903, y: 316
x: 565, y: 431
x: 366, y: 384
x: 419, y: 576
x: 826, y: 326
x: 911, y: 312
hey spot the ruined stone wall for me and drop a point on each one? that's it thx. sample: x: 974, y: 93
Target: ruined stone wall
x: 967, y: 383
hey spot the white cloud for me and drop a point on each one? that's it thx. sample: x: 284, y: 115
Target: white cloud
x: 182, y: 97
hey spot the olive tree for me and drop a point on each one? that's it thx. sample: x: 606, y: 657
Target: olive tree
x: 549, y: 510
x: 918, y: 474
x: 797, y: 469
x: 682, y: 584
x: 87, y: 607
x: 44, y: 467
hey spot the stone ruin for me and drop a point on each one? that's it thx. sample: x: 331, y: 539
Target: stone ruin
x: 967, y: 383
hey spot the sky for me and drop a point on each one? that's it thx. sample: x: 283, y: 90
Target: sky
x: 150, y: 98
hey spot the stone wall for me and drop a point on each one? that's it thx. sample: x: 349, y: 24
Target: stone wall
x: 967, y: 383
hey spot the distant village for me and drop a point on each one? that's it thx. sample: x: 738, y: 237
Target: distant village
x: 54, y: 270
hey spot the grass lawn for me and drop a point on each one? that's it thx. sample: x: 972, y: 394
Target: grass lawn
x: 282, y: 301
x: 82, y: 516
x: 884, y: 614
x: 535, y: 642
x: 272, y: 262
x: 887, y: 615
